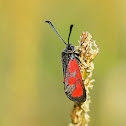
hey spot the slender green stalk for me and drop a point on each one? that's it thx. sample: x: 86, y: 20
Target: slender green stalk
x: 79, y: 114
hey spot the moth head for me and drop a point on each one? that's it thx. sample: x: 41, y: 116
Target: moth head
x: 70, y: 47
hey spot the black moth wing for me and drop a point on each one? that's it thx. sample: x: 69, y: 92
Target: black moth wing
x: 65, y: 61
x: 69, y: 89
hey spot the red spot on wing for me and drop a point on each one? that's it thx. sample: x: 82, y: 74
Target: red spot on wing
x: 78, y: 91
x: 71, y: 80
x: 64, y: 79
x: 77, y: 80
x: 73, y: 65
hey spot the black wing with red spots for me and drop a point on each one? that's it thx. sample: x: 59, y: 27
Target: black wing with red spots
x: 74, y: 87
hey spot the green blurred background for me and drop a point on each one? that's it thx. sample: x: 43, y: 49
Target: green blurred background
x: 31, y: 88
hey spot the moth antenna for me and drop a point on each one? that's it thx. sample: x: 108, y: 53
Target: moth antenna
x: 71, y: 26
x: 55, y: 30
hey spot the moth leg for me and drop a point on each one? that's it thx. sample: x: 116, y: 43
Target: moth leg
x: 77, y: 54
x: 78, y: 60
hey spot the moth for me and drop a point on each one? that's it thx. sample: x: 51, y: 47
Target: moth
x: 73, y: 83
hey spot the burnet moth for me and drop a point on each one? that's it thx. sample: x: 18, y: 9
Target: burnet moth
x: 73, y: 83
